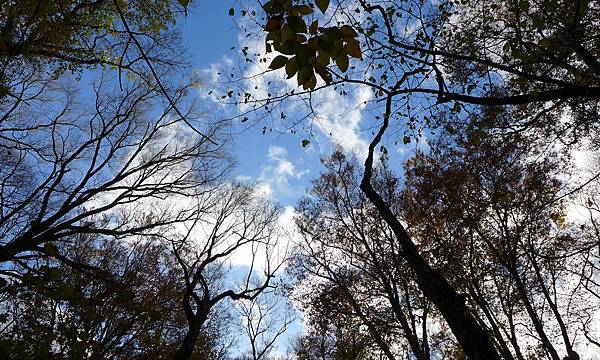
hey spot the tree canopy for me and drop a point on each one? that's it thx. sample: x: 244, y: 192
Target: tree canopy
x: 466, y: 228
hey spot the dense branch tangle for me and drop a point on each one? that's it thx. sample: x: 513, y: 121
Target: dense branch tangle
x: 539, y: 58
x: 515, y: 53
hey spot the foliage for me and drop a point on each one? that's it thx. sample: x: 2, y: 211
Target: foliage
x: 121, y: 301
x: 78, y: 34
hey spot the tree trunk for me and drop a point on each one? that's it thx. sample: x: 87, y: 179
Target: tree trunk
x: 186, y: 349
x: 474, y: 340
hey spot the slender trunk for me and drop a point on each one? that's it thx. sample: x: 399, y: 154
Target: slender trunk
x: 410, y: 335
x: 474, y: 340
x: 572, y: 355
x: 376, y: 335
x: 537, y: 323
x: 484, y: 306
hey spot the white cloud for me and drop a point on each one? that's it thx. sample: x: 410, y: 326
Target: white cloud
x: 276, y: 176
x: 339, y: 118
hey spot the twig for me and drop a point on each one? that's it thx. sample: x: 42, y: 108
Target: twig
x: 160, y: 85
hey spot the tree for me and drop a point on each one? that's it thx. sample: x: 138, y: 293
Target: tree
x: 413, y: 61
x: 123, y: 304
x: 94, y: 165
x: 74, y: 35
x: 234, y: 218
x: 350, y: 256
x: 265, y: 319
x: 116, y: 163
x: 450, y: 43
x: 495, y: 211
x: 120, y: 164
x: 334, y: 330
x: 488, y: 214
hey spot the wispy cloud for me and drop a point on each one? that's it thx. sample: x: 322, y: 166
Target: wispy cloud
x: 339, y: 118
x: 278, y: 174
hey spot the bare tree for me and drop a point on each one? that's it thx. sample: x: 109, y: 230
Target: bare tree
x: 235, y: 222
x: 265, y: 319
x: 70, y: 166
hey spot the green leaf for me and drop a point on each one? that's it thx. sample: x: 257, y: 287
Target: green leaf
x: 274, y: 36
x: 287, y: 33
x: 325, y: 44
x: 291, y: 68
x: 231, y: 12
x: 342, y: 61
x: 305, y: 143
x: 324, y: 74
x: 322, y: 5
x: 304, y: 74
x: 184, y: 3
x: 278, y: 62
x: 297, y: 24
x: 287, y: 47
x: 311, y: 83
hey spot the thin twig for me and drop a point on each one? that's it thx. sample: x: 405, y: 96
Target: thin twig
x: 160, y: 85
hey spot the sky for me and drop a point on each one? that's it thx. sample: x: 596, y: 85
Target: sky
x: 275, y: 161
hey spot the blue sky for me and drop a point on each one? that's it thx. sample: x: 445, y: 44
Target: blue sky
x: 274, y: 160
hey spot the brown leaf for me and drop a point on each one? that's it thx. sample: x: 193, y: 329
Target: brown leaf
x: 353, y: 48
x: 348, y: 32
x: 274, y: 23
